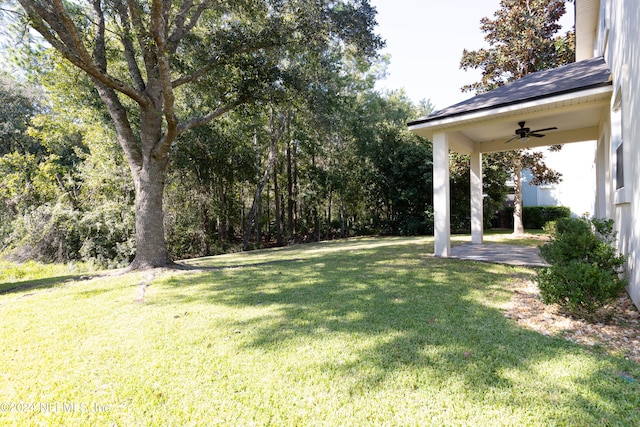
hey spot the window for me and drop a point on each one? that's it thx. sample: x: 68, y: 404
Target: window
x: 620, y: 119
x: 617, y: 146
x: 620, y: 166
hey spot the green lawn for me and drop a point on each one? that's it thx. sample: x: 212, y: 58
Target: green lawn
x: 371, y: 331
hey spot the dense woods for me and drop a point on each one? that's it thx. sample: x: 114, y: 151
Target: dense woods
x: 335, y: 164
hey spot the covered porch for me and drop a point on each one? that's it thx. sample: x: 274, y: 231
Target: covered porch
x: 574, y: 98
x: 499, y: 253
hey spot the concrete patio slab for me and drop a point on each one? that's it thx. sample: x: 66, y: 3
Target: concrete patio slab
x: 500, y: 254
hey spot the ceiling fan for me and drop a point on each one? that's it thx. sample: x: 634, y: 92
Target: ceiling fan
x: 526, y: 133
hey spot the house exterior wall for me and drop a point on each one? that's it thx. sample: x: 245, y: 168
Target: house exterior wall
x: 576, y: 191
x: 618, y: 40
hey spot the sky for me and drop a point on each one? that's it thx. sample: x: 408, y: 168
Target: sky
x: 425, y: 39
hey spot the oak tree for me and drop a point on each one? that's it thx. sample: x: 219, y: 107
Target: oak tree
x: 141, y: 55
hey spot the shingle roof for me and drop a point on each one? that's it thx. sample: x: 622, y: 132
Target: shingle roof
x: 574, y: 77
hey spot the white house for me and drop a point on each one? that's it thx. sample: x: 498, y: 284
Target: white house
x: 597, y: 98
x: 576, y: 191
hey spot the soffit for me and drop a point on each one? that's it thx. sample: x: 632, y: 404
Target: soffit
x: 571, y: 98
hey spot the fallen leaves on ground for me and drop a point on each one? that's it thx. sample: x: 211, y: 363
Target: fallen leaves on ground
x: 618, y: 332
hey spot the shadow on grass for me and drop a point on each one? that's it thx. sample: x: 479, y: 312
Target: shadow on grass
x: 433, y: 316
x: 37, y: 284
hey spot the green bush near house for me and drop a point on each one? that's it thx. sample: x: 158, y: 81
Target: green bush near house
x: 535, y: 217
x: 585, y: 268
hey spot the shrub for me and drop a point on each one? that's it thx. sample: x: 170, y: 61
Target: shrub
x: 108, y: 233
x: 535, y: 217
x: 59, y: 233
x: 46, y: 233
x: 415, y: 226
x: 585, y: 270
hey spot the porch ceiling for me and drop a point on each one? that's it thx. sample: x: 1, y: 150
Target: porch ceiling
x: 570, y: 98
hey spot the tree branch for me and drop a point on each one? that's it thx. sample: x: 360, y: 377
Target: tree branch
x: 212, y: 115
x: 99, y: 50
x: 144, y: 39
x: 126, y: 37
x: 53, y: 22
x: 118, y: 114
x: 196, y: 74
x: 159, y: 31
x: 179, y: 21
x: 181, y: 30
x: 165, y: 144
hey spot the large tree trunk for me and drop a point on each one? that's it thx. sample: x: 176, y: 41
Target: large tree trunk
x: 518, y: 225
x: 148, y: 170
x: 151, y: 249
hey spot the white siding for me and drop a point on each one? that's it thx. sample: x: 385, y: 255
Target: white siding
x: 577, y: 190
x: 618, y: 40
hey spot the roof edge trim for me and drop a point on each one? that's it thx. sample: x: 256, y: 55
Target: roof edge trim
x: 441, y: 123
x: 506, y: 104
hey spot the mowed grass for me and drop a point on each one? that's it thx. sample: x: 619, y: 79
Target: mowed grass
x: 362, y: 332
x: 33, y: 274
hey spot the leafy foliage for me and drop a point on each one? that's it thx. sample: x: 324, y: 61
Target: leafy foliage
x: 398, y: 166
x: 164, y: 68
x: 18, y: 103
x: 65, y: 195
x: 585, y: 267
x: 345, y: 166
x: 536, y: 217
x: 107, y: 233
x: 523, y: 39
x: 493, y: 182
x: 47, y: 233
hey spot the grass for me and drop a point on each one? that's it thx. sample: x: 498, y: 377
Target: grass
x: 370, y: 331
x: 32, y: 275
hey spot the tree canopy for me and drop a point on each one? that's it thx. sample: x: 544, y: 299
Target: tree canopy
x: 523, y: 38
x: 143, y: 56
x: 309, y: 151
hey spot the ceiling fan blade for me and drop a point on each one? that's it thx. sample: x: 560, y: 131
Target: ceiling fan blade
x: 537, y: 135
x: 545, y: 129
x: 512, y: 138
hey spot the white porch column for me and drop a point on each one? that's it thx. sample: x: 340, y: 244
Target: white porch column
x: 441, y: 200
x: 476, y: 198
